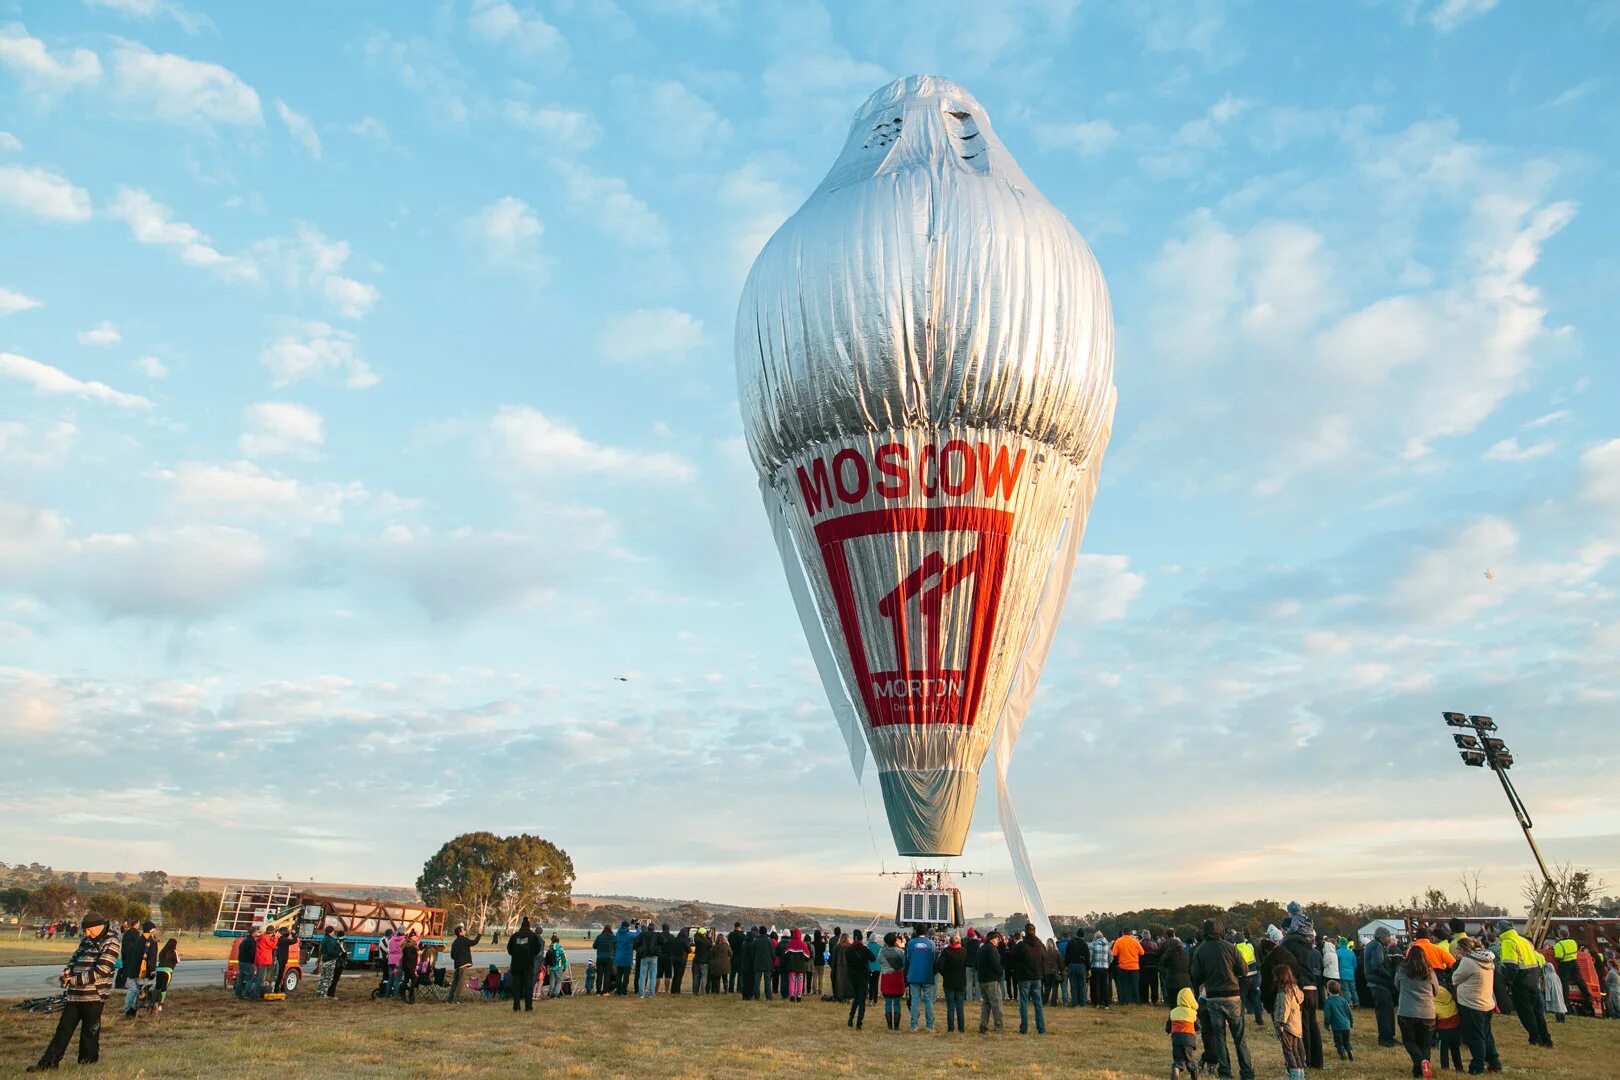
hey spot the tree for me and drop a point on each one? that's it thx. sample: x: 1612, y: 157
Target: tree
x: 1577, y: 891
x: 154, y: 882
x: 13, y: 901
x: 539, y: 876
x: 53, y: 902
x: 688, y: 914
x: 193, y: 885
x: 464, y: 877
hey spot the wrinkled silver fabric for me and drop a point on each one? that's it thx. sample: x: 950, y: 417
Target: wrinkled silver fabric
x: 925, y: 368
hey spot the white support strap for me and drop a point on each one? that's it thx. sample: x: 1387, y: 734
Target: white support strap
x: 810, y: 619
x: 1030, y: 664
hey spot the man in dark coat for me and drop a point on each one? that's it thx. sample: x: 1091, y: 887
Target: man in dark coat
x: 1217, y: 973
x: 132, y: 950
x: 461, y: 960
x: 677, y: 961
x: 604, y: 945
x: 853, y: 964
x: 524, y: 949
x: 991, y: 974
x: 1029, y: 962
x: 735, y: 939
x: 762, y: 957
x: 742, y: 963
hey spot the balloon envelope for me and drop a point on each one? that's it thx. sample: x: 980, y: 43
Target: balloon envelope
x: 925, y: 368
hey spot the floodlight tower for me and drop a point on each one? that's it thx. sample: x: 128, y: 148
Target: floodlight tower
x: 1482, y: 750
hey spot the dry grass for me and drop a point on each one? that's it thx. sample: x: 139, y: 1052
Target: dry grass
x: 207, y: 1034
x: 21, y: 951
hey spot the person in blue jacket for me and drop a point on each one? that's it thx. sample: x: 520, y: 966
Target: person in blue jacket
x: 624, y: 955
x: 920, y: 956
x: 1347, y: 971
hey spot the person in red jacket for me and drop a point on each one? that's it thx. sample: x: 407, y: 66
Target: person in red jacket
x: 264, y: 956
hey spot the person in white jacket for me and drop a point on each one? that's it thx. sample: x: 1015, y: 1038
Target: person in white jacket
x: 1330, y: 957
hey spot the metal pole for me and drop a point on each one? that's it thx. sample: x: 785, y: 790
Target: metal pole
x: 1523, y: 815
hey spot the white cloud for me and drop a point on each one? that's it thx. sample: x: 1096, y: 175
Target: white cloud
x: 464, y: 572
x: 314, y: 349
x: 508, y: 232
x: 242, y: 489
x: 42, y: 194
x: 8, y: 141
x: 1600, y: 475
x: 534, y: 443
x: 171, y: 87
x: 148, y: 10
x: 23, y: 445
x: 1549, y: 418
x: 191, y: 572
x: 369, y: 127
x: 12, y: 302
x: 523, y: 30
x: 650, y: 332
x: 1446, y: 15
x: 674, y: 119
x: 1447, y: 583
x: 425, y: 67
x: 300, y: 128
x: 1103, y: 588
x: 1083, y: 137
x: 41, y: 70
x: 100, y: 336
x: 569, y: 130
x: 273, y: 428
x: 607, y: 200
x: 150, y: 222
x: 151, y: 367
x: 754, y: 205
x: 48, y: 380
x: 1510, y: 450
x: 312, y: 260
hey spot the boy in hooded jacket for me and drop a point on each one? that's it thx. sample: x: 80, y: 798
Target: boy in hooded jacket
x: 1182, y: 1027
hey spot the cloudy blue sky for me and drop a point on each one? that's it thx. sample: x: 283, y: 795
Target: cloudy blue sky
x: 367, y: 412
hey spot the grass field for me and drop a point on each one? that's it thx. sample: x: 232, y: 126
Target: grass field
x: 21, y: 951
x: 208, y: 1034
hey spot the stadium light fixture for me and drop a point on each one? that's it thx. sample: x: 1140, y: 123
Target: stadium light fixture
x: 1467, y: 742
x: 1472, y: 757
x: 1455, y: 719
x: 1482, y: 723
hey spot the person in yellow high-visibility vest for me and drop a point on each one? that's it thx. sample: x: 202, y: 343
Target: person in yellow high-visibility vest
x: 1564, y: 950
x: 1521, y: 965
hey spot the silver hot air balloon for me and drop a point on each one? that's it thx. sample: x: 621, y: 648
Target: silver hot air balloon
x: 925, y: 367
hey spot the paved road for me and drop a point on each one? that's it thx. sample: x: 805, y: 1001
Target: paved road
x: 38, y: 979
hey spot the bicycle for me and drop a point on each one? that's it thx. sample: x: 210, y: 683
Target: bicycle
x: 49, y: 1004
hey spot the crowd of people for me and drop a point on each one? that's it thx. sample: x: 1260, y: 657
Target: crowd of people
x: 1436, y: 994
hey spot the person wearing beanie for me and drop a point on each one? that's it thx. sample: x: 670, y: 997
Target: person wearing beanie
x: 1474, y: 983
x: 87, y: 979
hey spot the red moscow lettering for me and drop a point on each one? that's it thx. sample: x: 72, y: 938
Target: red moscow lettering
x: 895, y: 478
x: 964, y: 453
x: 847, y: 457
x: 816, y: 487
x: 955, y: 469
x: 995, y: 471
